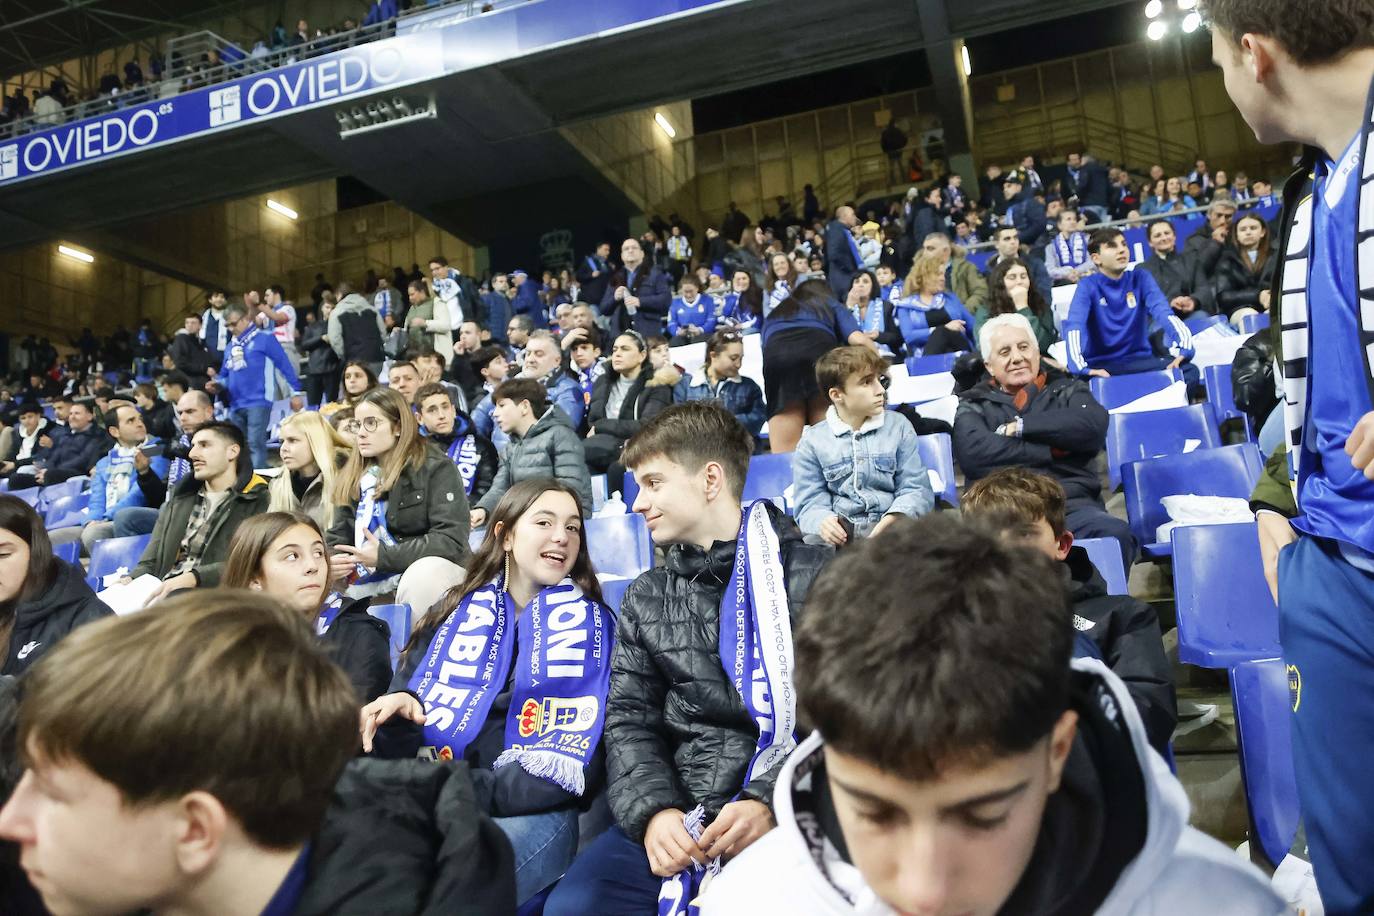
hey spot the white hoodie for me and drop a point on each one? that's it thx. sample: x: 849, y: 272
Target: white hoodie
x: 1180, y: 871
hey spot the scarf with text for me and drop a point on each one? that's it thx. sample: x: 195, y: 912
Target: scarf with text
x: 562, y: 673
x: 1072, y: 251
x: 371, y: 516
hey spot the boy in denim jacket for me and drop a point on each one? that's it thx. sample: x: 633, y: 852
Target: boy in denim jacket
x: 856, y: 469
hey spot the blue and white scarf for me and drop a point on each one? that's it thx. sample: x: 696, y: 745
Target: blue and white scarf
x: 237, y: 357
x: 180, y: 466
x: 119, y: 475
x: 463, y: 453
x: 562, y: 672
x: 333, y: 606
x: 1072, y: 251
x: 371, y: 516
x: 756, y: 650
x: 873, y: 319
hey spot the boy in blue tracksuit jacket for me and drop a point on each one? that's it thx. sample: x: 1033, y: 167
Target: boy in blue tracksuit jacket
x: 690, y: 310
x: 248, y: 377
x: 1107, y: 331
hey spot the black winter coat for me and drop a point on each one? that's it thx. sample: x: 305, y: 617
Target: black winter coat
x: 407, y: 836
x: 161, y: 421
x: 76, y: 453
x: 648, y: 394
x: 1236, y: 286
x: 488, y: 459
x: 360, y: 644
x: 677, y: 732
x: 1252, y: 378
x: 1127, y: 632
x: 321, y: 358
x: 191, y: 358
x: 42, y: 623
x: 1180, y: 275
x: 1064, y: 430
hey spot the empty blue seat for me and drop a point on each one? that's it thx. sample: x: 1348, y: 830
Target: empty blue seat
x: 619, y: 545
x: 1112, y: 392
x: 1106, y: 556
x: 629, y: 490
x: 937, y: 454
x: 1222, y: 397
x: 1252, y: 323
x: 110, y: 555
x: 1225, y: 612
x: 28, y: 494
x: 769, y: 476
x: 613, y: 590
x: 1263, y: 702
x: 59, y: 509
x: 1230, y: 470
x: 68, y: 487
x: 70, y: 551
x: 397, y: 619
x: 1156, y: 433
x: 930, y: 365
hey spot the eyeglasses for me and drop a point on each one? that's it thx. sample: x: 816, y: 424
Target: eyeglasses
x: 371, y: 424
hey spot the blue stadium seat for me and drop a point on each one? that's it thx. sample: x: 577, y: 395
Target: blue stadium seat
x: 28, y: 494
x: 1225, y: 612
x: 930, y: 365
x: 937, y: 454
x: 629, y: 490
x: 59, y: 509
x: 1263, y: 703
x: 109, y: 555
x: 1252, y: 323
x: 397, y: 619
x: 476, y: 536
x: 769, y: 476
x: 1105, y: 554
x: 619, y: 545
x: 68, y: 487
x: 1230, y: 470
x: 1112, y: 392
x: 70, y: 551
x: 613, y: 590
x: 1221, y: 396
x: 1157, y: 433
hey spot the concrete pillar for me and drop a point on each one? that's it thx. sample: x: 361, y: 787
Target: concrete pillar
x: 945, y: 54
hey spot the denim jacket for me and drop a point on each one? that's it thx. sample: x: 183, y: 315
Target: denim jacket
x: 859, y: 475
x: 739, y: 395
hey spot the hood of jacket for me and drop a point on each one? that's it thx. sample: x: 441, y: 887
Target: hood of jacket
x: 668, y: 375
x: 553, y: 416
x: 1083, y: 579
x: 65, y: 597
x: 248, y: 481
x: 353, y: 302
x: 406, y: 836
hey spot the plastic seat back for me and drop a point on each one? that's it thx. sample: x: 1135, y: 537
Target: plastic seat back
x: 769, y: 476
x: 1221, y: 395
x: 629, y: 490
x: 397, y: 619
x: 1105, y: 554
x: 28, y: 495
x: 112, y: 554
x: 930, y: 365
x: 70, y: 551
x: 1225, y: 612
x: 937, y: 454
x: 619, y: 545
x: 1264, y: 694
x: 63, y: 506
x: 1156, y: 433
x: 1112, y: 392
x: 1252, y: 323
x: 1229, y: 470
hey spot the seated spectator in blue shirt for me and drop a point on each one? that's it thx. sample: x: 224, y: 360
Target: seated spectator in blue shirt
x: 692, y: 316
x: 742, y: 307
x: 77, y: 452
x: 719, y: 379
x: 859, y: 468
x: 544, y: 363
x: 1108, y: 326
x: 932, y: 320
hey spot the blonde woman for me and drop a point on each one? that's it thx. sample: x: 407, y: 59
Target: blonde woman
x: 311, y: 454
x: 932, y: 319
x: 399, y: 507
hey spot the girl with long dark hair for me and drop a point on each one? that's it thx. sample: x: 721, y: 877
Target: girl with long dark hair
x: 1010, y: 291
x: 1245, y: 271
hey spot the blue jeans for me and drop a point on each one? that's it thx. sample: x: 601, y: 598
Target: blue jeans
x: 253, y: 422
x: 1326, y: 628
x: 544, y: 846
x: 1150, y: 364
x: 138, y: 520
x: 1274, y: 432
x: 610, y: 878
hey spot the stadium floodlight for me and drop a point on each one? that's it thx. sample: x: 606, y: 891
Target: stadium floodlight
x: 283, y: 209
x: 1154, y: 8
x: 402, y: 106
x: 1186, y: 5
x: 662, y: 122
x: 76, y: 254
x: 1157, y: 30
x: 345, y: 120
x: 968, y: 61
x: 1191, y: 22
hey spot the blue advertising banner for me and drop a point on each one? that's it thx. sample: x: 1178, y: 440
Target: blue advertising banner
x: 324, y: 80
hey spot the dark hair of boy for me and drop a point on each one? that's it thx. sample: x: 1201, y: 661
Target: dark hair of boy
x: 153, y: 704
x: 885, y: 672
x: 483, y: 357
x: 1313, y: 32
x: 429, y: 390
x: 231, y: 434
x: 1015, y: 498
x: 692, y: 435
x: 415, y: 353
x: 1102, y: 237
x: 841, y: 364
x: 523, y: 389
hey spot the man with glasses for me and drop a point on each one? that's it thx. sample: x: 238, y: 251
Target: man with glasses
x: 248, y: 378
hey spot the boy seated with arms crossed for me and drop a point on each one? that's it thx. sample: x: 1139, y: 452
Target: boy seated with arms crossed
x: 859, y: 468
x: 693, y: 745
x: 194, y: 759
x: 1027, y: 509
x: 960, y: 763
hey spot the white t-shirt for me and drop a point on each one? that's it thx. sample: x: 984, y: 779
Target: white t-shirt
x: 286, y: 333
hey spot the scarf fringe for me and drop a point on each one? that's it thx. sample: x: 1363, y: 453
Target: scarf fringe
x: 564, y: 771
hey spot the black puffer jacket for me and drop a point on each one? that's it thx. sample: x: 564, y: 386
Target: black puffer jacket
x: 405, y: 836
x: 1252, y: 377
x: 677, y: 732
x: 1237, y: 286
x: 42, y: 623
x: 360, y: 644
x: 1127, y: 633
x: 1064, y: 429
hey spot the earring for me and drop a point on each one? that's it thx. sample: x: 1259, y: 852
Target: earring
x: 505, y: 581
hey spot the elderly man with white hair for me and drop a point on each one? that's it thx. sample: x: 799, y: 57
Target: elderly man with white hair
x: 1038, y: 418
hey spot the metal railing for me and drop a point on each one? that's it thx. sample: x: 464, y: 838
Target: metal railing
x: 1132, y: 149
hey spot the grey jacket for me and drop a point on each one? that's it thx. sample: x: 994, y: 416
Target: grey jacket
x: 352, y: 303
x: 551, y: 448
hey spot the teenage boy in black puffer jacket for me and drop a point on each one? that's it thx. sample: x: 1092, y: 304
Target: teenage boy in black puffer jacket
x: 678, y: 733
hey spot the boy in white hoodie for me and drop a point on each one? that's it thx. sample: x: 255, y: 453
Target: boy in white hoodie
x: 967, y: 767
